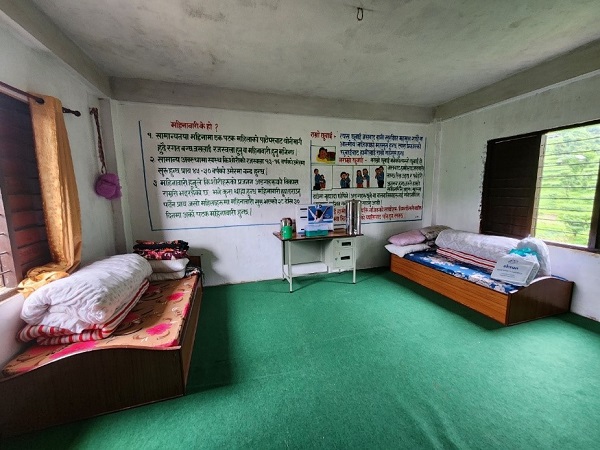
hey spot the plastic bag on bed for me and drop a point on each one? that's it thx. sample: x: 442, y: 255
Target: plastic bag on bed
x: 541, y: 251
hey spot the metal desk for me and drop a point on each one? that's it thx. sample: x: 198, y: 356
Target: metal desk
x: 338, y: 252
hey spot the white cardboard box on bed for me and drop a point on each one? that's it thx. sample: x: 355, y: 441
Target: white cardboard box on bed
x: 517, y: 271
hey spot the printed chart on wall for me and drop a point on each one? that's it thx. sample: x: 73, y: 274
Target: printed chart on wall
x: 384, y: 171
x: 221, y: 169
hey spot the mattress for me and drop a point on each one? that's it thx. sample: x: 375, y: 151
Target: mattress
x: 460, y: 270
x: 155, y: 322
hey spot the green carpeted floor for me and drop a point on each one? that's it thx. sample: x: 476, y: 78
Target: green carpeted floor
x: 380, y: 364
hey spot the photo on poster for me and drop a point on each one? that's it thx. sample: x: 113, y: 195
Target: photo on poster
x: 321, y: 213
x: 343, y: 175
x: 370, y: 176
x: 379, y: 176
x: 322, y: 177
x: 323, y: 154
x: 366, y: 176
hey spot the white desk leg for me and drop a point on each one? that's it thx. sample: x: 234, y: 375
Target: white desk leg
x: 289, y: 265
x: 283, y: 260
x: 354, y: 266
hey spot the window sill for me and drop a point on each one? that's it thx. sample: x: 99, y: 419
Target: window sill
x: 6, y: 293
x: 573, y: 247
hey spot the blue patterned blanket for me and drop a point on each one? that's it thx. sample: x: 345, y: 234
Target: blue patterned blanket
x: 460, y: 270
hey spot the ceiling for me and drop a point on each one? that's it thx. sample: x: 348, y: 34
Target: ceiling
x: 403, y: 52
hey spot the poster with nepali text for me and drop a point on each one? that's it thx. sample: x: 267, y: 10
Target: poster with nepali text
x: 206, y: 168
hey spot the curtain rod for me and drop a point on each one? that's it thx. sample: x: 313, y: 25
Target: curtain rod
x: 37, y: 99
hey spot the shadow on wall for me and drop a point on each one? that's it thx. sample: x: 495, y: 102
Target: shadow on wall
x: 209, y: 260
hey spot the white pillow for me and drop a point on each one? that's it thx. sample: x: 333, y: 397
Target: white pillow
x: 162, y: 276
x: 168, y: 265
x: 407, y: 238
x: 401, y: 250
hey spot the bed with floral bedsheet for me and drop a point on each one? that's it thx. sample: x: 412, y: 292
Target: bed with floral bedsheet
x: 145, y: 360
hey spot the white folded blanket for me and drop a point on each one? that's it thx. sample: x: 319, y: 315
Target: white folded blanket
x: 401, y: 250
x: 88, y: 297
x: 481, y: 245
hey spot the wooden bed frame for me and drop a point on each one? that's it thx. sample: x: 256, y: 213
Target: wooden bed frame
x: 92, y: 383
x: 545, y: 296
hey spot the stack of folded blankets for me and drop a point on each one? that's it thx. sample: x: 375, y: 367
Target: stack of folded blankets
x: 88, y: 304
x: 168, y: 259
x: 479, y: 250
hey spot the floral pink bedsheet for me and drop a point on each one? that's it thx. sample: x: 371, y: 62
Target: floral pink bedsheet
x: 154, y: 322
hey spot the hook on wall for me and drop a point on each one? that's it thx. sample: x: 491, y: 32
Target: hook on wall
x: 359, y: 13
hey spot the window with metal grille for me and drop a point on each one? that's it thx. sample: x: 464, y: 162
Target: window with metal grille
x: 23, y: 241
x: 544, y: 184
x: 567, y: 186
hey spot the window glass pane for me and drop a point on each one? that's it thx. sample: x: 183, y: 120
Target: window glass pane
x: 566, y: 186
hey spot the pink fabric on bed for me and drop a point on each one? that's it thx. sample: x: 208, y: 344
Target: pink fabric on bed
x: 77, y: 347
x: 407, y: 238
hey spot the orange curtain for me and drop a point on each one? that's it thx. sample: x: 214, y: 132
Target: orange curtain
x: 59, y: 194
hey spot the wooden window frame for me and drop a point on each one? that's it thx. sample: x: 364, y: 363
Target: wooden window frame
x: 488, y: 209
x: 23, y: 240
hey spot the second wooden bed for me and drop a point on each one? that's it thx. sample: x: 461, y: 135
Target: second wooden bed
x: 545, y: 296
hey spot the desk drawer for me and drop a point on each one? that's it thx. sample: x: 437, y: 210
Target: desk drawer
x: 341, y: 244
x: 343, y: 259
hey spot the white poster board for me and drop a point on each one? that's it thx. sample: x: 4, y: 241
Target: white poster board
x: 207, y: 168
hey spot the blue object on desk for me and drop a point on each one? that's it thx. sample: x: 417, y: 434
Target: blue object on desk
x: 316, y: 233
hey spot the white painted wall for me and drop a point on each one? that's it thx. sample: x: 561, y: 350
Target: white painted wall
x: 28, y: 67
x: 250, y: 253
x: 461, y: 153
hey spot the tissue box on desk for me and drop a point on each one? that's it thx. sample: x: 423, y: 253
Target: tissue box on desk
x: 316, y: 229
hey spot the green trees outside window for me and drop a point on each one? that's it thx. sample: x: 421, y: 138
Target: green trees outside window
x: 567, y: 185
